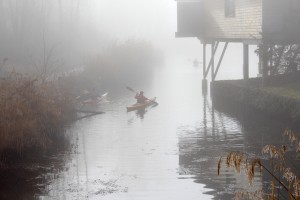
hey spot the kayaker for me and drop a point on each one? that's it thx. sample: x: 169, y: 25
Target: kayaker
x: 140, y: 97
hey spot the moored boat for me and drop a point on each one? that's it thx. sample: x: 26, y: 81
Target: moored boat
x: 138, y: 106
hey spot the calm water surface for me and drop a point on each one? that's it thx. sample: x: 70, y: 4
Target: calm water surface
x: 169, y: 151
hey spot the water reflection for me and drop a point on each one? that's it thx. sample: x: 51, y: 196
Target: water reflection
x: 201, y: 146
x: 140, y: 113
x: 224, y: 129
x: 169, y: 151
x: 29, y: 174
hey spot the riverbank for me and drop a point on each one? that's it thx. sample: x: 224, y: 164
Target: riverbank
x: 279, y: 98
x: 33, y: 115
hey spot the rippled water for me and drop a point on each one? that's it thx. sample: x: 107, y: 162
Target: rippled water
x: 170, y: 151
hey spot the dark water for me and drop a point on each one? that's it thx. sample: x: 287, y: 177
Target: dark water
x: 170, y: 151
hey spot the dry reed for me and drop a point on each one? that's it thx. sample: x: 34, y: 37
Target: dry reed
x: 282, y: 176
x: 32, y: 112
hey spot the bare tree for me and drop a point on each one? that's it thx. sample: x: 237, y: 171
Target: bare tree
x: 48, y: 63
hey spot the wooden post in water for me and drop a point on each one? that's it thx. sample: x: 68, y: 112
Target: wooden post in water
x: 213, y: 51
x: 204, y: 60
x: 213, y: 61
x: 204, y: 81
x: 246, y: 61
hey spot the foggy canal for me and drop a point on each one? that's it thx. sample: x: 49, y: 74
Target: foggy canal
x: 170, y: 151
x: 69, y: 69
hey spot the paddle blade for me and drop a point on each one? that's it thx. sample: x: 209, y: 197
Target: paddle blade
x: 129, y: 88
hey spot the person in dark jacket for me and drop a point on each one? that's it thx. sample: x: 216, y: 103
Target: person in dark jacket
x: 140, y: 97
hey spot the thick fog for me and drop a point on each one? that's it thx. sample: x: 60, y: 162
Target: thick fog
x: 66, y: 33
x: 153, y: 20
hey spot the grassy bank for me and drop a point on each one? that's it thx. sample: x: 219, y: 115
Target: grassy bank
x: 280, y: 98
x: 33, y: 113
x: 289, y: 90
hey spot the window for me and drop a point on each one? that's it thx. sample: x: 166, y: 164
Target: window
x: 229, y: 8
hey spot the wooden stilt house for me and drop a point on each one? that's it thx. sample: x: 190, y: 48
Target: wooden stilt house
x: 265, y: 22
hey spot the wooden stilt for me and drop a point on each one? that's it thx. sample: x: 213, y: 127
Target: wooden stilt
x: 213, y: 51
x: 246, y: 61
x: 204, y: 81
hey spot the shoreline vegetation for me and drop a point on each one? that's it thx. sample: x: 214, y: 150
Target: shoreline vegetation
x: 279, y: 99
x: 36, y: 109
x: 33, y: 113
x: 275, y: 163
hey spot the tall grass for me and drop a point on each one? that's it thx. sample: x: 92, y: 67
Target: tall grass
x: 285, y: 181
x: 32, y: 112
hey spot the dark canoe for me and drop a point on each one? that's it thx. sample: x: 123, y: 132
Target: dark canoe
x: 138, y: 106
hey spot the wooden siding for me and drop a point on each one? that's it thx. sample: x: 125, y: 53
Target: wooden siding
x: 245, y: 25
x: 275, y: 21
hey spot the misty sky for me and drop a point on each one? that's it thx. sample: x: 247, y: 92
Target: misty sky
x: 156, y: 21
x: 153, y: 20
x: 81, y: 29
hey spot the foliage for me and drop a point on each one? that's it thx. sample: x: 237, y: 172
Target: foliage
x: 283, y: 58
x: 290, y: 90
x: 283, y: 177
x: 278, y: 101
x: 32, y: 112
x: 286, y: 58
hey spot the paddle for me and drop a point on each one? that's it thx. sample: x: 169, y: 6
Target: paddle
x: 132, y: 90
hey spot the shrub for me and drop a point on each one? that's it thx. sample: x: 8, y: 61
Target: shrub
x: 32, y: 112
